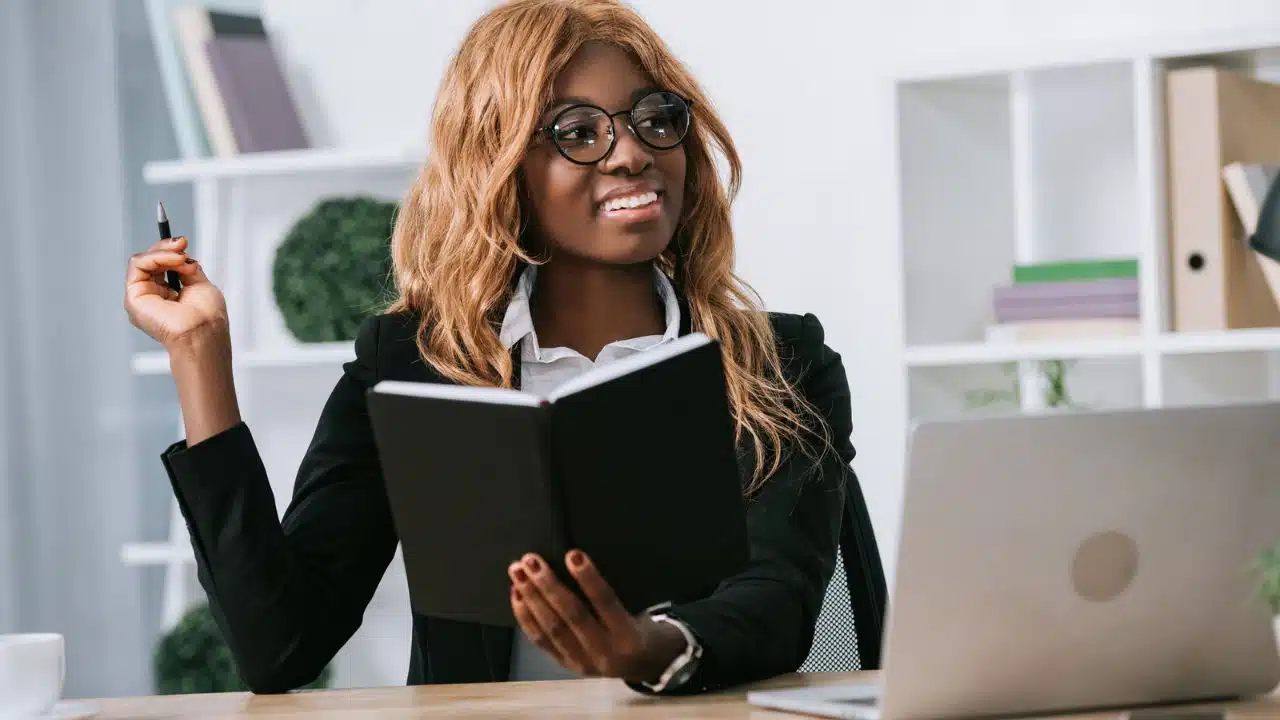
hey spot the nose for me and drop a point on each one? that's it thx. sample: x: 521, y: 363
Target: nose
x: 629, y: 155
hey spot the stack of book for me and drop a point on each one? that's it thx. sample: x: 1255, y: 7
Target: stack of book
x: 224, y: 83
x: 1068, y: 300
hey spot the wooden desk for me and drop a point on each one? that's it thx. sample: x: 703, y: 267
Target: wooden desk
x: 567, y: 699
x: 571, y: 699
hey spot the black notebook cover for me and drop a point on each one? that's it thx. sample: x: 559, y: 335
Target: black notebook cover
x: 638, y: 470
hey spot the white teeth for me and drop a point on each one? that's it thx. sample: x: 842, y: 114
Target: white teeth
x: 630, y: 201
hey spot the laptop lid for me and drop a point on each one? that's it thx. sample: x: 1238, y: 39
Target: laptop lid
x: 1090, y: 559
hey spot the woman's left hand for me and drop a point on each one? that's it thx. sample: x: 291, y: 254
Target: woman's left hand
x: 599, y: 640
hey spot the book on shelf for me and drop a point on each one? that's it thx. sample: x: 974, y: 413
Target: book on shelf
x: 237, y: 81
x: 184, y: 115
x: 1075, y: 270
x: 1255, y: 192
x: 1265, y: 239
x: 1248, y: 183
x: 1104, y: 298
x: 633, y: 462
x: 1054, y: 292
x: 1068, y: 311
x: 1216, y: 117
x: 259, y: 106
x: 1068, y: 330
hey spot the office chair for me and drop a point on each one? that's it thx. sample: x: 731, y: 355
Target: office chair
x: 851, y: 623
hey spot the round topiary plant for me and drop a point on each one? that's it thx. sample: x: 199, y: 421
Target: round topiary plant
x: 333, y: 268
x: 193, y: 658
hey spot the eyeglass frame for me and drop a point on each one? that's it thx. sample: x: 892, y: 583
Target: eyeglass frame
x: 613, y: 134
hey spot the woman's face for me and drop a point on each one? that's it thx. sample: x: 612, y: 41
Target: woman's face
x: 575, y: 208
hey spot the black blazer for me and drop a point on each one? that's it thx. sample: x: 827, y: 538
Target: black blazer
x: 289, y: 594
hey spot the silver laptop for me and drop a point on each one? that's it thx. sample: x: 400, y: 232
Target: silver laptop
x: 1075, y: 561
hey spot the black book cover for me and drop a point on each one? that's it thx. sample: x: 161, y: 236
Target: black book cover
x: 633, y: 463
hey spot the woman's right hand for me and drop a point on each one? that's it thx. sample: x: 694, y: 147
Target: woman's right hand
x: 168, y: 317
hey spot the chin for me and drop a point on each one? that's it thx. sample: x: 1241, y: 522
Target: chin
x: 632, y: 255
x: 631, y: 248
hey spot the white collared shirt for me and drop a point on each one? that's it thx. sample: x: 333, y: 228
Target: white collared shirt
x: 543, y: 370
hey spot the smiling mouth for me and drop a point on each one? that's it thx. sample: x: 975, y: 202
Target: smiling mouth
x: 629, y: 202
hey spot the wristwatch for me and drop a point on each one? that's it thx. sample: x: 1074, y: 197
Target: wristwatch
x: 686, y: 663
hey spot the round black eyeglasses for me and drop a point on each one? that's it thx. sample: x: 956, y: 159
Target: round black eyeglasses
x: 585, y: 134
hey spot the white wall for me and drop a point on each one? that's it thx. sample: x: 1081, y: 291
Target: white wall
x: 816, y: 217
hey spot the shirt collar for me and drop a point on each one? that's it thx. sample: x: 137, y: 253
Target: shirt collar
x: 517, y: 324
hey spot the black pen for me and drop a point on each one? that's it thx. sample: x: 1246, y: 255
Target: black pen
x: 170, y: 276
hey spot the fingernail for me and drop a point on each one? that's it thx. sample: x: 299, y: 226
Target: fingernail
x: 191, y: 261
x: 533, y: 564
x: 519, y: 576
x: 577, y: 559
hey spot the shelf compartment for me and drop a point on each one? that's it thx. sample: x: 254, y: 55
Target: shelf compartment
x: 988, y: 388
x: 1020, y: 167
x: 1212, y: 378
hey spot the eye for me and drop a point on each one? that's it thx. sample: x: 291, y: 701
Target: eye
x: 657, y: 122
x: 576, y: 135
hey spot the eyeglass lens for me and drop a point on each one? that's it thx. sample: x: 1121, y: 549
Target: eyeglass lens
x: 585, y: 134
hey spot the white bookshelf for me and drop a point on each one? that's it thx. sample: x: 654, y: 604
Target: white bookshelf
x: 282, y: 164
x: 243, y: 207
x: 1043, y: 154
x: 317, y: 354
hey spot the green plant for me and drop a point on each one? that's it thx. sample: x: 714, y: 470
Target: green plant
x: 1056, y: 393
x: 194, y: 658
x: 333, y: 268
x: 1267, y: 568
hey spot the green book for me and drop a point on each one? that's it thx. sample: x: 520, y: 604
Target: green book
x: 1075, y: 270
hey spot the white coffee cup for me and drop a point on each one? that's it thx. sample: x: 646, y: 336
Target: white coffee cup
x: 32, y: 670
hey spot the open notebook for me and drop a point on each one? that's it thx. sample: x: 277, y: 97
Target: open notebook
x: 632, y: 462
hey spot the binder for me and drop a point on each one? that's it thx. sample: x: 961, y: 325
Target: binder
x: 1216, y: 117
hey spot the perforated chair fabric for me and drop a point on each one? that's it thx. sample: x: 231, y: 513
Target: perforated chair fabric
x: 835, y: 640
x: 851, y: 623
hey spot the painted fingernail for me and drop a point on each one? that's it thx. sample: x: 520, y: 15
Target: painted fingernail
x: 533, y: 564
x: 191, y: 261
x: 519, y: 576
x: 577, y: 559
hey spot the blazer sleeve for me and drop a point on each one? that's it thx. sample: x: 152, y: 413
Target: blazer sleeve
x: 760, y: 623
x: 288, y: 593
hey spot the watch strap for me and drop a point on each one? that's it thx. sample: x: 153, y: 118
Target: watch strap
x: 685, y: 664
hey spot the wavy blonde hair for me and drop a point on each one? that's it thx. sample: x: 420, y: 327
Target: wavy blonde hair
x: 457, y: 240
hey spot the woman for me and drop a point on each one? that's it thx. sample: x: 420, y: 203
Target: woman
x: 570, y: 213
